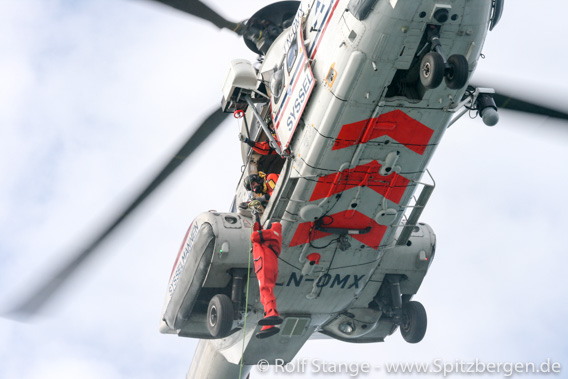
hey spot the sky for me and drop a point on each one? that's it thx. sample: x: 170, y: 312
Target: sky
x: 94, y: 97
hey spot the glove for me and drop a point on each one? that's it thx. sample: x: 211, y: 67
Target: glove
x: 242, y: 138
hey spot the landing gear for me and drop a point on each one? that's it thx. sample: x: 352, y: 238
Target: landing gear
x: 432, y: 70
x: 414, y: 322
x: 409, y: 316
x: 434, y: 67
x: 457, y: 71
x: 220, y: 316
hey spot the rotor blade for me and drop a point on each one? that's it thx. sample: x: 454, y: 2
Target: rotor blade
x: 198, y: 9
x: 515, y: 104
x: 45, y: 292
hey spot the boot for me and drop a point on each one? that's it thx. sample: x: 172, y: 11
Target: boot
x: 267, y: 331
x: 271, y: 318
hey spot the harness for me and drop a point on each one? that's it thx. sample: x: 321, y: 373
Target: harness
x: 269, y: 246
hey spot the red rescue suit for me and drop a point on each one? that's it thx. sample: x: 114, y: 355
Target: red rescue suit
x: 266, y: 247
x: 262, y: 148
x: 270, y: 182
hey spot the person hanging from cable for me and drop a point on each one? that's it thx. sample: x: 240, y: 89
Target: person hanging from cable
x: 266, y: 247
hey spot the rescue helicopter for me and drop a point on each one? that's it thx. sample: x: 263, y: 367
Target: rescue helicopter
x: 353, y: 141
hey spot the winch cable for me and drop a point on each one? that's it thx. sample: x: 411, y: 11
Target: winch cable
x: 246, y: 304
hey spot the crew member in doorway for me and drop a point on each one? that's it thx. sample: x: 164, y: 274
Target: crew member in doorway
x: 261, y: 185
x: 266, y: 247
x: 259, y: 148
x: 262, y: 148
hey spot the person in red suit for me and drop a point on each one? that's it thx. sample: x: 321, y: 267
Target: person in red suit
x: 260, y: 149
x: 266, y: 247
x: 262, y: 185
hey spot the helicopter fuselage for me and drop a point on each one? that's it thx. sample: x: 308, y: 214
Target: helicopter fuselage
x: 353, y: 94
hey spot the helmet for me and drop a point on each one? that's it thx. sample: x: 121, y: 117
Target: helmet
x: 254, y: 178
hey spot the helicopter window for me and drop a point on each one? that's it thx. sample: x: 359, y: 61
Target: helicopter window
x: 277, y: 83
x: 292, y: 55
x: 361, y: 8
x: 230, y: 219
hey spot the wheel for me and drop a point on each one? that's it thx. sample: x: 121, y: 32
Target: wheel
x: 414, y: 322
x: 220, y: 316
x: 432, y: 70
x: 457, y: 74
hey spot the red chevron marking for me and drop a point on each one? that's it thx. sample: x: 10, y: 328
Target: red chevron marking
x: 396, y: 124
x: 391, y: 186
x: 358, y: 220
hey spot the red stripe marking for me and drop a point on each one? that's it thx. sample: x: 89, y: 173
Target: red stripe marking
x: 358, y: 220
x: 324, y: 29
x: 181, y: 248
x: 391, y: 186
x: 396, y: 124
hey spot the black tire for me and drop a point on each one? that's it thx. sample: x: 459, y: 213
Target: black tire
x: 220, y: 316
x: 458, y: 72
x: 432, y: 70
x: 414, y: 322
